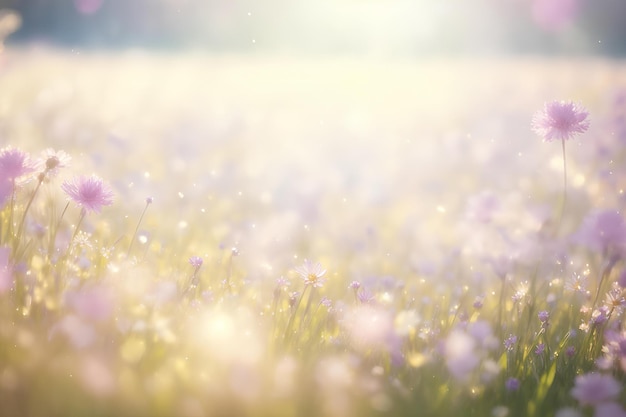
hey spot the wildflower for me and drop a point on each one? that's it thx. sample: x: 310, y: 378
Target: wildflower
x: 326, y: 302
x: 54, y: 160
x: 478, y: 302
x: 615, y: 299
x: 195, y: 261
x: 510, y: 342
x: 599, y: 316
x: 354, y: 285
x: 90, y: 193
x: 14, y: 164
x: 603, y: 231
x: 609, y: 410
x: 544, y: 316
x: 366, y: 297
x: 614, y: 350
x: 570, y: 351
x: 541, y: 347
x: 311, y: 273
x: 577, y: 283
x: 560, y: 120
x: 512, y: 384
x: 594, y: 388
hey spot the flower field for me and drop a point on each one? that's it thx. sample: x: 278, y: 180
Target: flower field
x: 262, y: 235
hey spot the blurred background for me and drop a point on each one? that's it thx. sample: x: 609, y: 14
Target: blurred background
x: 388, y: 27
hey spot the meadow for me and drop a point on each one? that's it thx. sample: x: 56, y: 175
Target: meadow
x: 184, y: 234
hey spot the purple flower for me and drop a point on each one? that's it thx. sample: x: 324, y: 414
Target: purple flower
x: 543, y: 316
x: 90, y: 193
x: 609, y: 410
x: 365, y: 296
x: 602, y: 231
x: 311, y: 273
x: 570, y: 351
x: 195, y: 261
x: 541, y: 347
x: 512, y: 384
x: 510, y: 342
x: 560, y: 120
x: 594, y: 388
x: 14, y: 164
x: 554, y: 15
x: 355, y: 285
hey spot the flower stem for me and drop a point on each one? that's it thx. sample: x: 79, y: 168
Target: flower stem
x: 564, y: 198
x: 292, y: 317
x: 21, y: 225
x: 132, y: 239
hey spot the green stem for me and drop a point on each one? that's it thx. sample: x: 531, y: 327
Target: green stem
x: 22, y: 221
x: 564, y: 198
x: 53, y: 234
x: 287, y: 335
x: 132, y: 239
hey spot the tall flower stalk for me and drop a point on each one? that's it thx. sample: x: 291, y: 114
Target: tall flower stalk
x: 560, y: 120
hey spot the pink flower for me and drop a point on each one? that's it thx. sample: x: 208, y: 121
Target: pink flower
x: 311, y: 273
x: 593, y: 388
x: 554, y: 15
x: 609, y: 410
x: 560, y: 120
x: 90, y: 193
x: 14, y: 164
x: 195, y: 261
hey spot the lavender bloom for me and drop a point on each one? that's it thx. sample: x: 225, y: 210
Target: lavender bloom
x: 560, y: 120
x: 541, y: 347
x: 543, y: 316
x: 594, y: 388
x: 90, y: 193
x: 512, y: 384
x: 570, y: 351
x: 355, y: 285
x: 510, y: 342
x: 312, y: 273
x: 602, y: 231
x: 195, y: 261
x: 609, y: 410
x: 14, y: 164
x: 366, y: 297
